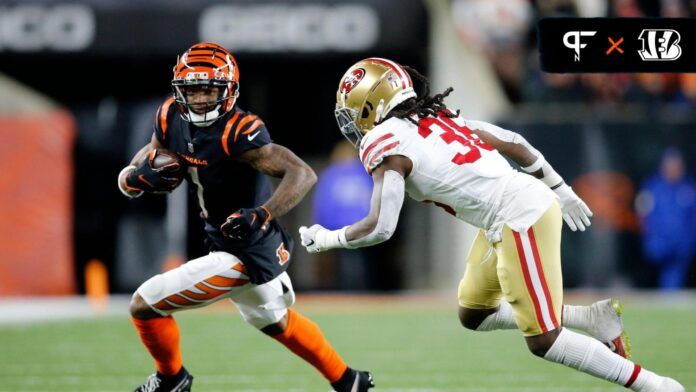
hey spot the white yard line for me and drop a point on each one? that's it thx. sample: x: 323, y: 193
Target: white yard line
x: 23, y: 310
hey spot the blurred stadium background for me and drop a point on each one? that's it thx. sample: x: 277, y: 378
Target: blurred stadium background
x: 80, y: 82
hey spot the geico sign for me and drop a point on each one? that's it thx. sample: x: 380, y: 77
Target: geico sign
x: 278, y: 27
x: 34, y: 27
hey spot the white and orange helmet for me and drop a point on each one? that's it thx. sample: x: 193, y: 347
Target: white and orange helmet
x: 206, y: 64
x: 368, y: 91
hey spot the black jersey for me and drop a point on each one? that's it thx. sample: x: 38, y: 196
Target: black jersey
x: 221, y: 184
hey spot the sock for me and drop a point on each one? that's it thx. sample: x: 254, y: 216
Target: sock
x: 590, y: 356
x: 304, y: 338
x: 576, y: 317
x: 502, y: 319
x: 160, y: 335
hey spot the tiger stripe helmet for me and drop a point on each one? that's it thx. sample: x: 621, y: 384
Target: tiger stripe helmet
x: 206, y: 64
x: 368, y: 91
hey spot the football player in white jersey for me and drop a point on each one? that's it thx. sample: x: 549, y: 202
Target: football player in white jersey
x: 414, y: 144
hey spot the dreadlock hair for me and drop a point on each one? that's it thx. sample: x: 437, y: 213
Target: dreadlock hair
x: 423, y: 105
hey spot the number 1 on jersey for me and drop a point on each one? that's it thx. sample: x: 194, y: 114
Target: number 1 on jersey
x: 193, y: 172
x: 452, y: 132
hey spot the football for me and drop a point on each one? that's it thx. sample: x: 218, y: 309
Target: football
x: 169, y: 161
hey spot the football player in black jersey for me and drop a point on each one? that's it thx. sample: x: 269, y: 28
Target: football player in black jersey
x: 227, y: 153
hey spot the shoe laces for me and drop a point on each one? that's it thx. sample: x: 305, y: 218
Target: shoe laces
x: 152, y: 383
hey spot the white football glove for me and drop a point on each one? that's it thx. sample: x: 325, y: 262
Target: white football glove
x: 318, y: 239
x: 309, y: 237
x: 576, y: 214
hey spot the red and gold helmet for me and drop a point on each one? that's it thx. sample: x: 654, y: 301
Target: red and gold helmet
x: 206, y: 65
x: 368, y: 91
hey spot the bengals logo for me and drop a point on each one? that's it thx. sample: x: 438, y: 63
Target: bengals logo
x: 660, y: 45
x: 352, y: 80
x: 282, y: 254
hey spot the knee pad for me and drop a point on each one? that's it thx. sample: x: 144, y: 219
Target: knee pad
x: 150, y: 291
x: 266, y: 304
x: 152, y: 288
x: 260, y: 320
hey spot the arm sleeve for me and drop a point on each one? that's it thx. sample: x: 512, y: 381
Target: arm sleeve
x: 506, y: 136
x: 244, y: 133
x: 391, y: 201
x: 550, y: 177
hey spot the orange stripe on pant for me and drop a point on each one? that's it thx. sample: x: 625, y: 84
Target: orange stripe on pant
x: 240, y: 267
x: 163, y: 305
x: 179, y: 300
x: 222, y: 281
x: 209, y: 293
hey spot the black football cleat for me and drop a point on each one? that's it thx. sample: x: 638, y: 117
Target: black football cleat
x: 160, y: 383
x: 354, y: 381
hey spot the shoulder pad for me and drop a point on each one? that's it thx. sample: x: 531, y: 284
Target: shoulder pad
x: 239, y: 123
x: 161, y: 122
x: 377, y: 144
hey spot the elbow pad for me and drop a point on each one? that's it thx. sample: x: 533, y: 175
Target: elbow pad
x: 391, y: 200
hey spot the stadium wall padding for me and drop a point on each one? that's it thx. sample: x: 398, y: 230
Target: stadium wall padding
x: 36, y: 182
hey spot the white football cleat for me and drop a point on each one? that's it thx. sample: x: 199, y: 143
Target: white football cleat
x: 669, y: 385
x: 607, y: 327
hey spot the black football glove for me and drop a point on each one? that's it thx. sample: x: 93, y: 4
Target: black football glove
x: 148, y: 179
x: 246, y: 222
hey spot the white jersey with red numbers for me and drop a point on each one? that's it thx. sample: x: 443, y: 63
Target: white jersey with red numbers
x: 454, y: 169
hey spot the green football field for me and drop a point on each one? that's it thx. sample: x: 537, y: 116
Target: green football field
x: 408, y: 345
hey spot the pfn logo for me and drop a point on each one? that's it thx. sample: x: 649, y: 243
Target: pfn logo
x: 575, y: 43
x: 660, y: 45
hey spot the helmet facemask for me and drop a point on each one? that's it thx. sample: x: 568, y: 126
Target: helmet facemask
x: 213, y: 109
x: 346, y: 117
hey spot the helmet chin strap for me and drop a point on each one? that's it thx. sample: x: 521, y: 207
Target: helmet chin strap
x: 201, y: 120
x: 380, y: 111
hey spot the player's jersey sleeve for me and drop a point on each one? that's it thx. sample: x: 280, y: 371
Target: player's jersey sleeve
x: 503, y: 134
x: 244, y: 132
x: 162, y: 118
x: 387, y: 139
x: 498, y: 132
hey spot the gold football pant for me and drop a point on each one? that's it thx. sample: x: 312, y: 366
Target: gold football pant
x: 524, y: 269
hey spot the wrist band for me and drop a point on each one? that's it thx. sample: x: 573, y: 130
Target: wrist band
x: 331, y: 239
x: 342, y: 240
x: 551, y: 178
